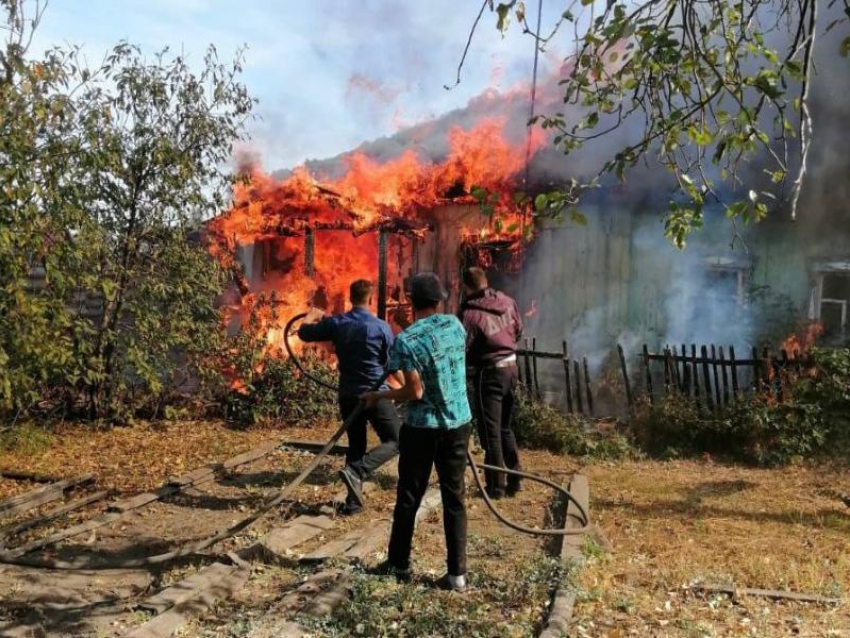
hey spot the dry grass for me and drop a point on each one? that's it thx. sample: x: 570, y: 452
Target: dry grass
x: 675, y: 524
x: 131, y: 459
x: 672, y: 524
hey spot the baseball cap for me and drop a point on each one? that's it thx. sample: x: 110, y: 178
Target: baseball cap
x: 426, y: 286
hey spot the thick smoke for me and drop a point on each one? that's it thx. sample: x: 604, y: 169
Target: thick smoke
x: 617, y: 279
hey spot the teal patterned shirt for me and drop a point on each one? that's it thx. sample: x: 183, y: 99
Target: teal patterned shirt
x: 436, y: 348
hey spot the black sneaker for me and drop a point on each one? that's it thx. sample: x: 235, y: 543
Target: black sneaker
x: 353, y: 483
x: 453, y: 583
x: 350, y: 507
x: 388, y: 569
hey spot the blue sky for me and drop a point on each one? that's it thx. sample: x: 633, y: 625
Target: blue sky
x: 329, y: 74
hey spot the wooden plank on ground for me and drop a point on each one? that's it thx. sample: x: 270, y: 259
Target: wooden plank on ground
x: 40, y: 496
x: 251, y: 455
x: 11, y: 530
x: 139, y: 500
x: 213, y: 586
x: 35, y: 477
x: 187, y: 588
x: 336, y: 547
x: 313, y: 446
x: 75, y: 530
x: 361, y: 542
x: 571, y: 555
x: 198, y: 474
x: 299, y: 530
x: 374, y: 537
x: 773, y: 594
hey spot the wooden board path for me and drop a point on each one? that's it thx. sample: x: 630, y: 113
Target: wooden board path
x: 41, y: 495
x: 560, y: 615
x: 322, y: 592
x: 55, y: 513
x: 119, y: 509
x: 191, y: 597
x: 177, y: 604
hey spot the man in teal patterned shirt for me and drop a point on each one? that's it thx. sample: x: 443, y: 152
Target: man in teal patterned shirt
x: 431, y: 354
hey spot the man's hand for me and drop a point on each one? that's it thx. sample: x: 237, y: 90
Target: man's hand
x: 370, y: 399
x: 314, y: 316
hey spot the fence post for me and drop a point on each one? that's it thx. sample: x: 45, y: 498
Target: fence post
x: 567, y: 377
x: 625, y: 370
x: 648, y: 374
x: 706, y: 379
x: 587, y: 386
x: 577, y: 371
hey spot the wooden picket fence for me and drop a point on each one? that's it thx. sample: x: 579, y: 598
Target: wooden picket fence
x: 714, y: 376
x: 577, y: 385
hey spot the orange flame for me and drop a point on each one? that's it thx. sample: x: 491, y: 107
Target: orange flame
x: 273, y: 217
x: 802, y: 341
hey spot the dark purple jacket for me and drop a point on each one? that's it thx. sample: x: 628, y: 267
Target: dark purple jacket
x: 493, y: 327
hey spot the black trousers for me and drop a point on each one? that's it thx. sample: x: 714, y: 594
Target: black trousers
x: 384, y: 418
x: 494, y: 408
x: 421, y: 449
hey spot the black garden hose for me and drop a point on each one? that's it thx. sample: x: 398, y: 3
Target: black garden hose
x: 582, y: 516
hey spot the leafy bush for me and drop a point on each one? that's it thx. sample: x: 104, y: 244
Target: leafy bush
x: 540, y: 426
x: 812, y: 420
x: 279, y: 393
x: 106, y: 174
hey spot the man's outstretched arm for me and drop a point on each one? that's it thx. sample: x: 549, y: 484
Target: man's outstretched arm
x: 411, y: 391
x: 316, y: 328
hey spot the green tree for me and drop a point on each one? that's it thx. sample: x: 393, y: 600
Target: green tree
x: 107, y: 173
x: 708, y: 85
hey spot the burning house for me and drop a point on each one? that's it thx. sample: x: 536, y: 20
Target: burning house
x: 403, y: 205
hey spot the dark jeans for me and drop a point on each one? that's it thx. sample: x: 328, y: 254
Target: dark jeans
x: 494, y: 399
x: 421, y: 449
x: 384, y: 419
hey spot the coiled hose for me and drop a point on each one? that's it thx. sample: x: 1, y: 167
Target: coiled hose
x: 582, y: 516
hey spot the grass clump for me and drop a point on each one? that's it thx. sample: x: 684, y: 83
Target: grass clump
x: 540, y: 426
x: 27, y: 439
x: 493, y: 607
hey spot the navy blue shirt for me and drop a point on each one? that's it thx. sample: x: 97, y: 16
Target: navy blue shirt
x: 362, y: 343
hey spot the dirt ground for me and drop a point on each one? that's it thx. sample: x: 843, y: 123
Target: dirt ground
x: 672, y: 525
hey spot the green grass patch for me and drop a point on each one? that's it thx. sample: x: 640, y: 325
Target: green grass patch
x: 27, y: 439
x: 493, y: 607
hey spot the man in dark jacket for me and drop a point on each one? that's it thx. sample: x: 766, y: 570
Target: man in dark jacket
x: 493, y: 327
x: 362, y: 343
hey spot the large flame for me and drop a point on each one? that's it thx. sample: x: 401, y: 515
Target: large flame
x: 370, y: 195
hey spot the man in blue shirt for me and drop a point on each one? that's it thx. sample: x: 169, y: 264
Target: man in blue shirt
x: 431, y: 354
x: 362, y: 343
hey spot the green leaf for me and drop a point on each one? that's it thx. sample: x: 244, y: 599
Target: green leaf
x: 540, y: 202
